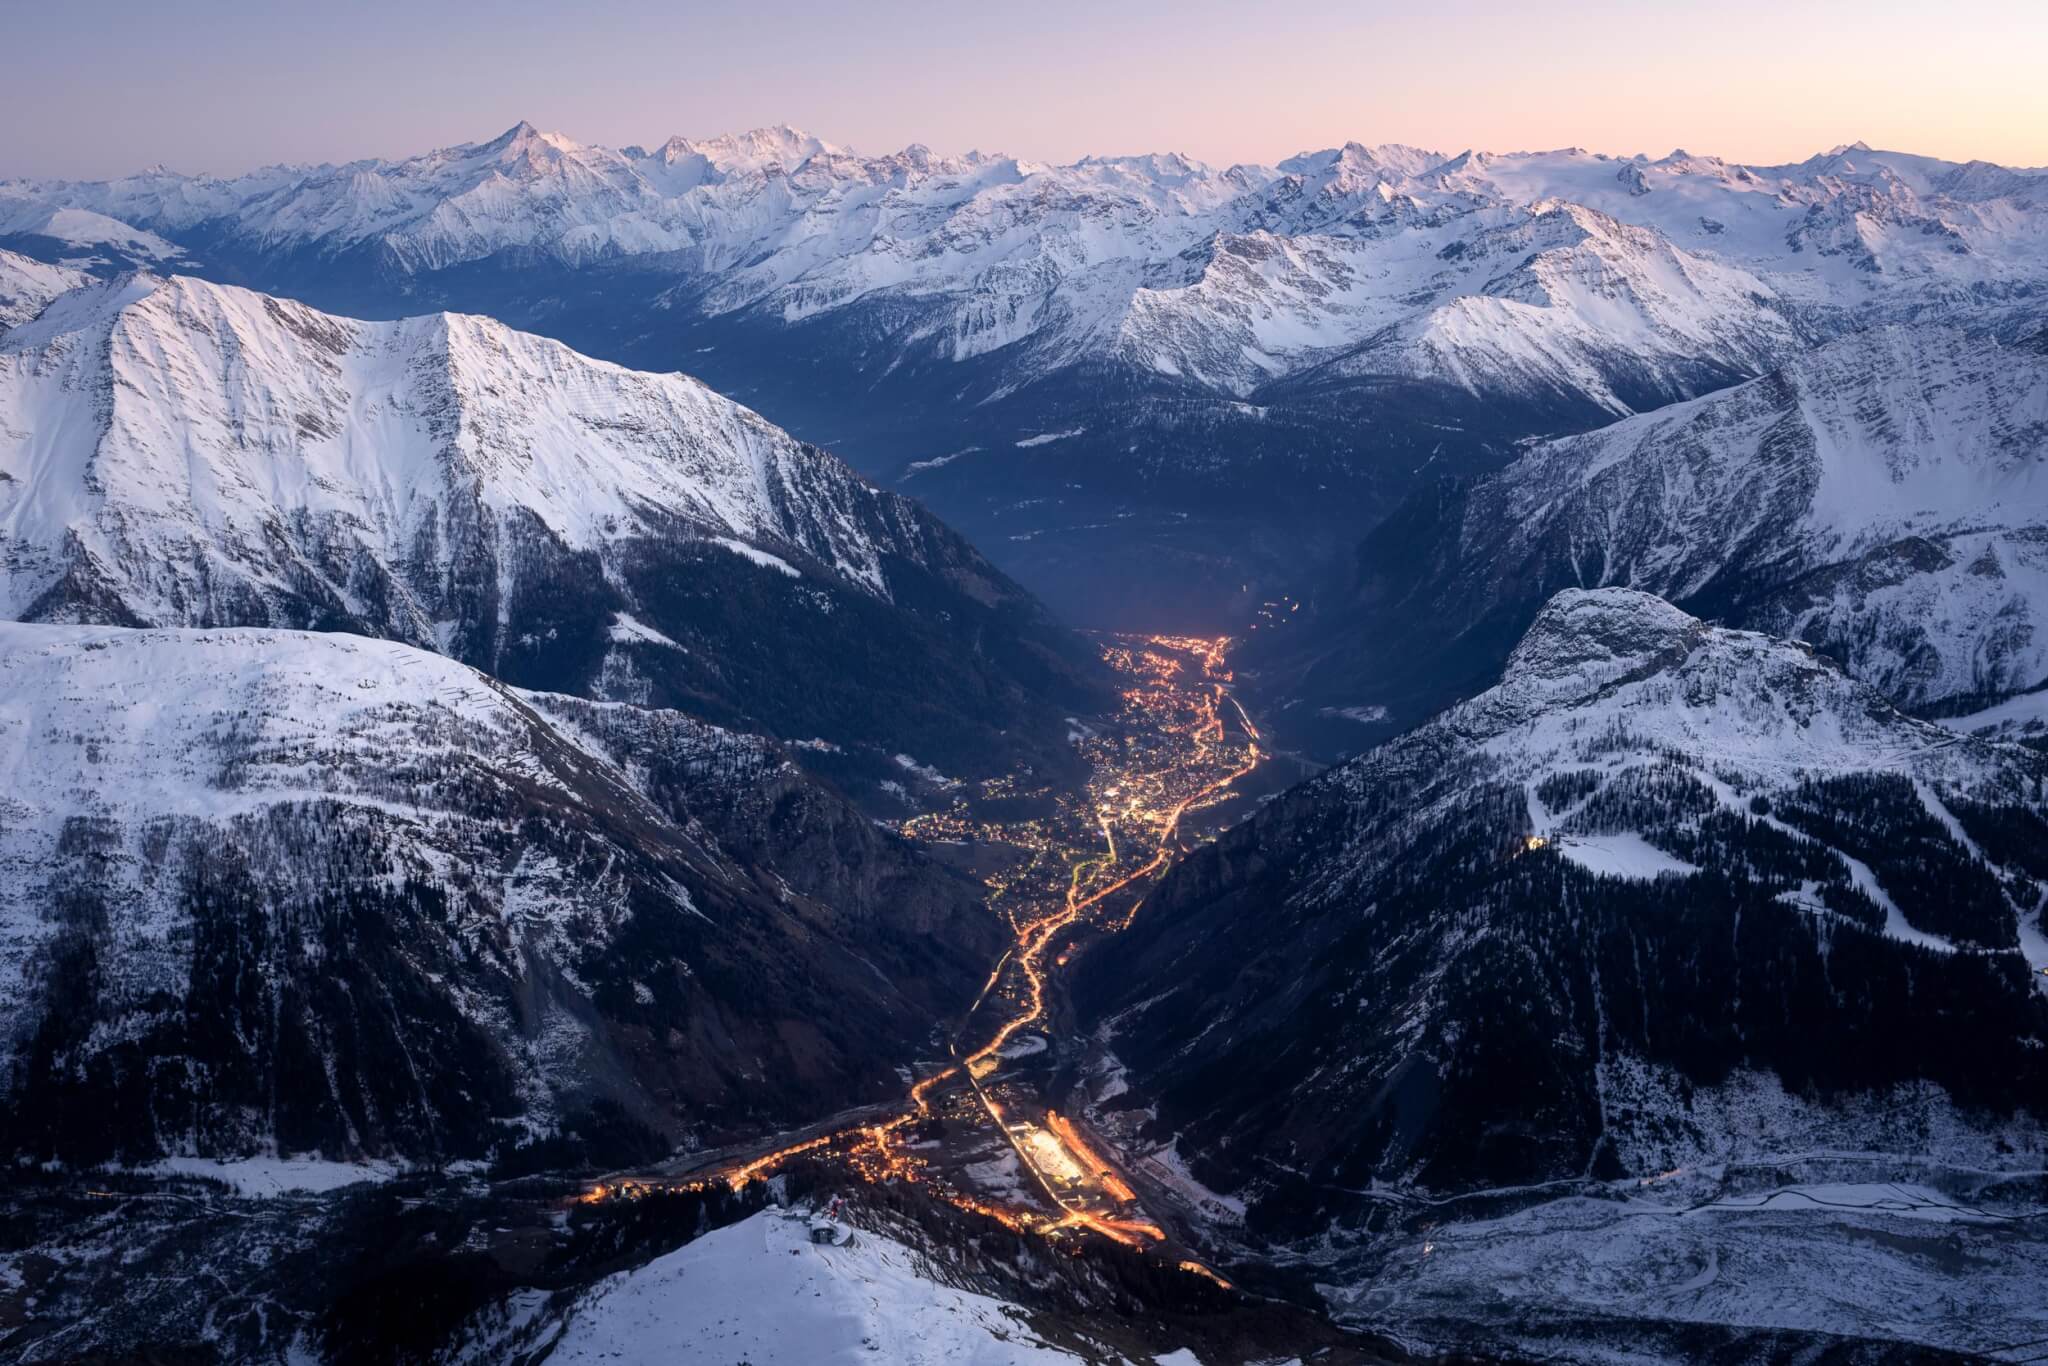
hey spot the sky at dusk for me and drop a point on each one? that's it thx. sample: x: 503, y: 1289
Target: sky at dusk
x: 100, y: 87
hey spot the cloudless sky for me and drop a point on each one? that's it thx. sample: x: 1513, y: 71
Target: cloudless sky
x: 100, y: 87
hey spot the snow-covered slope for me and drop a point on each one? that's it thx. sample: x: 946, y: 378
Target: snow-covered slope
x: 275, y: 890
x: 27, y: 286
x: 174, y: 452
x: 760, y: 1291
x: 82, y: 238
x: 1225, y: 278
x: 1884, y: 497
x: 1557, y: 301
x: 2023, y: 719
x: 1531, y: 938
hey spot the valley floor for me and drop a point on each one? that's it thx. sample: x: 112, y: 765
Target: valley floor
x: 979, y: 1128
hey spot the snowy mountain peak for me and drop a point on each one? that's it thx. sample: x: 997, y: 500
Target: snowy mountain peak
x: 1355, y: 166
x: 1585, y: 639
x: 522, y: 141
x: 759, y: 148
x: 164, y: 412
x: 1618, y: 662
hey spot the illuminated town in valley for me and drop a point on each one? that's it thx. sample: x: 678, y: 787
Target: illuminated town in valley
x: 978, y: 1129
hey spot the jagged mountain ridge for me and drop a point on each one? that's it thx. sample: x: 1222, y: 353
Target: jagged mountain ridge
x: 1104, y: 371
x: 316, y: 893
x: 184, y: 453
x: 1145, y: 257
x: 1749, y: 871
x: 1883, y: 497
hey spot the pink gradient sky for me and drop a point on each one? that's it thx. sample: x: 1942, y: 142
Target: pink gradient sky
x: 99, y: 87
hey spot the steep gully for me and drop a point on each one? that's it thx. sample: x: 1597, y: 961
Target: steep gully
x: 1179, y: 746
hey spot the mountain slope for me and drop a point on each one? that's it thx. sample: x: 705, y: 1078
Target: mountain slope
x: 181, y: 453
x: 1586, y: 922
x: 761, y: 1291
x: 1884, y: 498
x: 318, y: 893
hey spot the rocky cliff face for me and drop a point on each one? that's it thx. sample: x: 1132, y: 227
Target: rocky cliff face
x: 1581, y: 923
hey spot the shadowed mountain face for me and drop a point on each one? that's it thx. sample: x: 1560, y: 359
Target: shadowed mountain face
x: 1884, y: 498
x: 1572, y: 925
x: 376, y: 786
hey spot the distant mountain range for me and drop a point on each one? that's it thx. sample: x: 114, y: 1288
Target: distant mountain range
x: 186, y: 454
x: 1101, y: 369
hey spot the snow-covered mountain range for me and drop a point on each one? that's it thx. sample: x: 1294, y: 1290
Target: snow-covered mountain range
x: 1588, y: 922
x: 314, y: 893
x: 1102, y: 368
x: 1554, y: 269
x: 397, y: 710
x: 1883, y: 497
x: 174, y: 452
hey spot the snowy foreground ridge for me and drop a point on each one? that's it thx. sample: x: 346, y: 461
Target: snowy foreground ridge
x: 761, y: 1291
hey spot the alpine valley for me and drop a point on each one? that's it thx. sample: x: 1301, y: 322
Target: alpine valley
x: 743, y: 752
